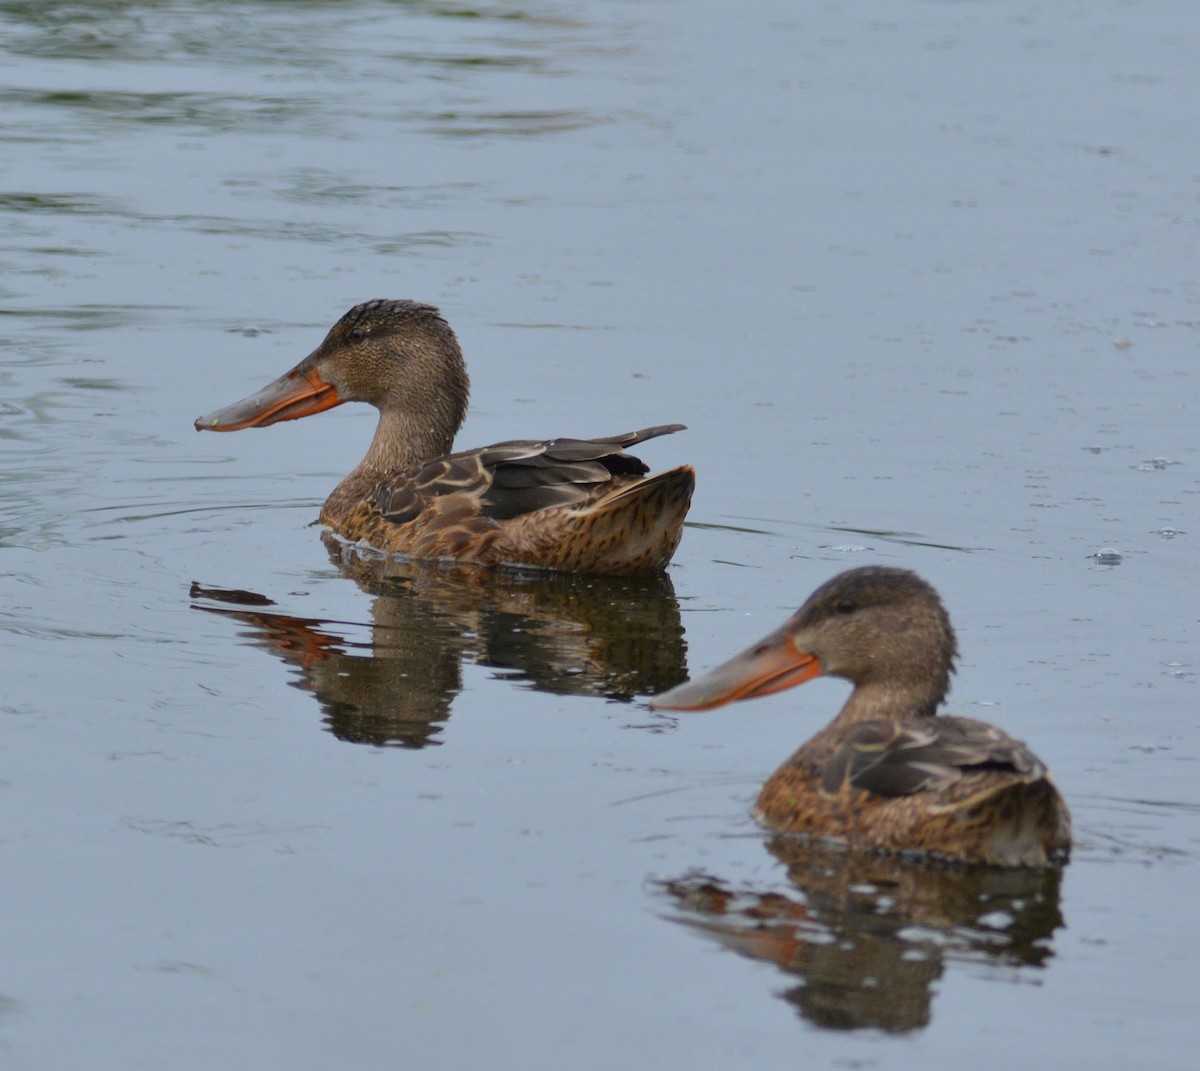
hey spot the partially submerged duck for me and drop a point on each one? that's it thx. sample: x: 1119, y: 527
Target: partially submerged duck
x: 582, y: 505
x: 889, y: 773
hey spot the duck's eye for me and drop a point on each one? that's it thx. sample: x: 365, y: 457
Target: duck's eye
x: 358, y: 333
x: 845, y: 606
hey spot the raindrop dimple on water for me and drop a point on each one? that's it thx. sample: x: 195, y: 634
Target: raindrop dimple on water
x: 1107, y: 556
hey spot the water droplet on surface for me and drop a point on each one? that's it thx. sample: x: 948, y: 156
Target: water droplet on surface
x: 1108, y: 556
x: 1169, y: 533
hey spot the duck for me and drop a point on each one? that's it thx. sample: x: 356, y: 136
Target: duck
x: 576, y: 505
x: 889, y: 773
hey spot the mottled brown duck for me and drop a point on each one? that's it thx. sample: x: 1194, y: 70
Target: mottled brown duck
x: 889, y: 773
x: 581, y: 505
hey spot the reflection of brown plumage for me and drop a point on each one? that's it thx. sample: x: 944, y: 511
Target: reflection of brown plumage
x: 395, y: 690
x: 615, y: 637
x: 580, y: 505
x: 888, y: 773
x: 869, y: 934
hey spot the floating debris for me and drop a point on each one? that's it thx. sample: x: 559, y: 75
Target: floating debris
x: 237, y: 596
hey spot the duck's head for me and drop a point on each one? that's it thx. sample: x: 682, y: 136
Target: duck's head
x: 400, y: 356
x: 877, y: 626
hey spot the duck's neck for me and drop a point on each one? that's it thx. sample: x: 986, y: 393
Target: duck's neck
x: 893, y: 701
x: 402, y: 443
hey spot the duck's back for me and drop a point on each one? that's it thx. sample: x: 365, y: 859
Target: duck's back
x: 946, y: 786
x: 582, y: 505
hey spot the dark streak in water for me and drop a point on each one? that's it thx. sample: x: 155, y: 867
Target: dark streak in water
x: 727, y: 528
x: 489, y: 124
x: 907, y: 539
x: 1158, y: 805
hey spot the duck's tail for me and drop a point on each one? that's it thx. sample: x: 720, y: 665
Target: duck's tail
x: 1028, y: 824
x: 636, y: 529
x: 632, y: 531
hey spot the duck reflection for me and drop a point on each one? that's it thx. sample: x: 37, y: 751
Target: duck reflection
x: 868, y: 935
x: 392, y: 682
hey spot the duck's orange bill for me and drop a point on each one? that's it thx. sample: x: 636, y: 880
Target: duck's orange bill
x: 771, y: 665
x: 298, y: 393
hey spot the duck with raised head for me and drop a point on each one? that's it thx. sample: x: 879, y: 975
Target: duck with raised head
x: 581, y: 505
x: 889, y: 773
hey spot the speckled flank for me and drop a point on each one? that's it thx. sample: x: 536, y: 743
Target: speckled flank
x: 631, y: 532
x: 992, y: 817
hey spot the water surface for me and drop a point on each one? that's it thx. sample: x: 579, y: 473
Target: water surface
x: 922, y: 281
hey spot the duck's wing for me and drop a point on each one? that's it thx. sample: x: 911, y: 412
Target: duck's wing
x: 514, y: 478
x: 892, y: 759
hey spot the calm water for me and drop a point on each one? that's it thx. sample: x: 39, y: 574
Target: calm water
x: 923, y: 281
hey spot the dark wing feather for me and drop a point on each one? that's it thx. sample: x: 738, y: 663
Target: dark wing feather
x: 632, y: 438
x: 513, y: 478
x: 547, y: 470
x: 530, y: 476
x: 899, y: 760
